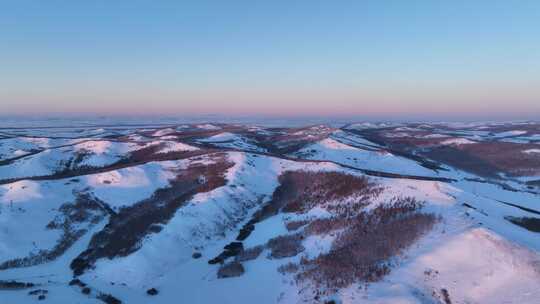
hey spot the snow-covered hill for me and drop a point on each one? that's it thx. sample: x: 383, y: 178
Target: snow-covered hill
x: 208, y: 213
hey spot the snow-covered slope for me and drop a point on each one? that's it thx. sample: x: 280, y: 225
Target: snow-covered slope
x: 86, y: 153
x: 379, y: 160
x: 231, y: 140
x: 237, y: 224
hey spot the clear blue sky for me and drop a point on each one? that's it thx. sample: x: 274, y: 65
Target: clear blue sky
x: 370, y: 58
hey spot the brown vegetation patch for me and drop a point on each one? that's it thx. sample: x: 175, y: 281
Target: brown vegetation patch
x: 489, y: 158
x: 485, y: 158
x: 462, y: 160
x: 315, y: 188
x: 285, y: 246
x: 230, y: 270
x: 288, y: 268
x: 310, y: 189
x: 249, y: 254
x: 365, y: 245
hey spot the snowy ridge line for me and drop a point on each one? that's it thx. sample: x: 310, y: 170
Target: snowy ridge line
x: 365, y: 171
x: 8, y: 161
x: 356, y: 145
x: 426, y: 163
x: 91, y: 170
x: 96, y: 170
x: 361, y: 145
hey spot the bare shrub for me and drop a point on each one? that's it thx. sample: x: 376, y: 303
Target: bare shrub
x: 233, y: 269
x: 300, y: 191
x: 325, y: 225
x: 318, y: 188
x: 364, y: 249
x: 249, y: 254
x: 11, y: 285
x: 397, y: 206
x: 108, y: 299
x: 152, y: 292
x: 288, y: 268
x: 446, y: 296
x: 285, y: 246
x: 38, y: 292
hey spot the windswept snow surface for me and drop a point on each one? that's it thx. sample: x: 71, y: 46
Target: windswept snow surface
x: 510, y: 133
x: 472, y: 266
x: 127, y: 186
x: 457, y: 142
x: 92, y: 153
x: 164, y: 132
x: 225, y: 136
x: 351, y: 139
x: 101, y: 153
x: 231, y: 140
x: 43, y: 163
x: 176, y: 147
x: 26, y: 209
x: 435, y: 135
x: 19, y: 192
x: 330, y: 149
x: 17, y: 146
x: 208, y: 127
x: 51, y: 160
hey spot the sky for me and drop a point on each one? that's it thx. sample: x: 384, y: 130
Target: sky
x: 385, y: 59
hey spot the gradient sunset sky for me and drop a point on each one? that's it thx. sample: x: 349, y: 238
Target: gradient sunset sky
x: 445, y: 59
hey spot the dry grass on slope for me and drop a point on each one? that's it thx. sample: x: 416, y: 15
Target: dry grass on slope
x: 326, y: 189
x: 366, y: 244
